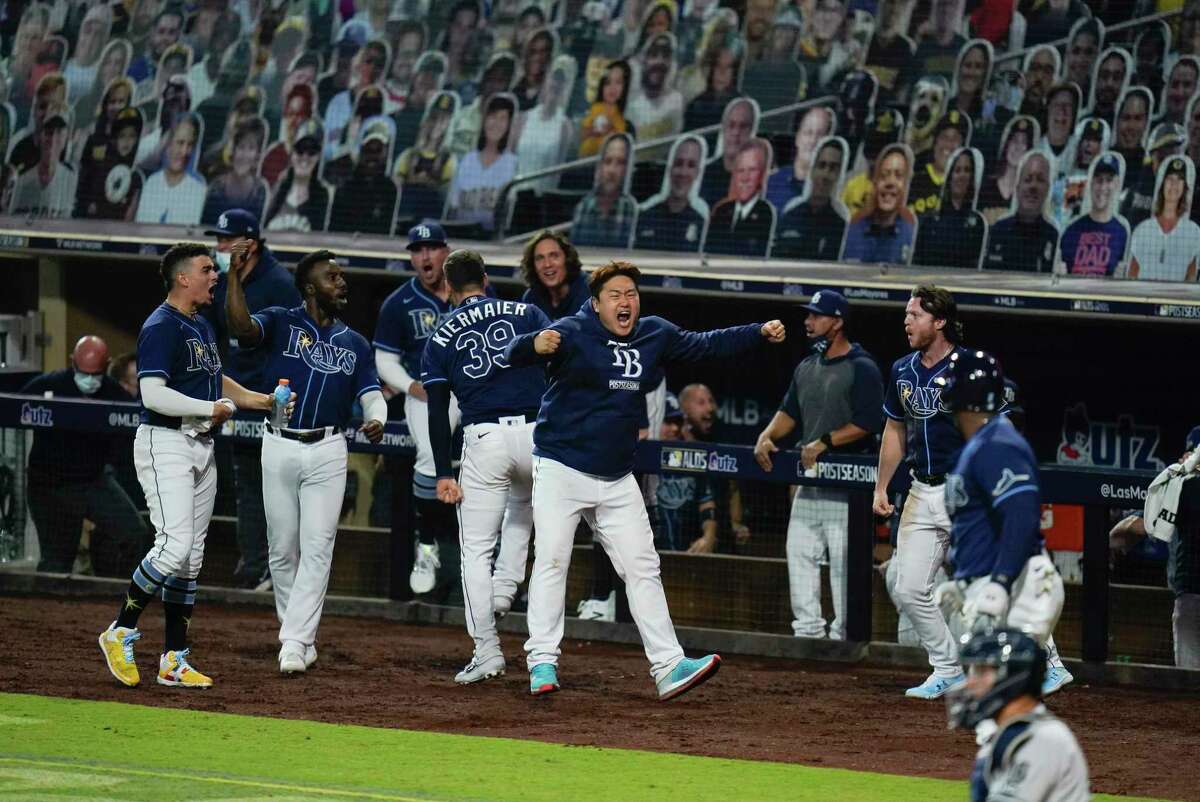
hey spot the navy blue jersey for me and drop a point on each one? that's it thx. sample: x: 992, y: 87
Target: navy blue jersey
x: 467, y: 351
x: 182, y: 350
x: 595, y: 400
x: 576, y: 296
x: 328, y: 368
x: 933, y: 441
x: 994, y: 501
x: 407, y: 319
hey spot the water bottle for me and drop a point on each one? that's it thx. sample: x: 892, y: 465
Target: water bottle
x: 279, y: 403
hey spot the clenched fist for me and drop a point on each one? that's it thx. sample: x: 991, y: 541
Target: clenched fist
x: 547, y: 341
x: 774, y: 331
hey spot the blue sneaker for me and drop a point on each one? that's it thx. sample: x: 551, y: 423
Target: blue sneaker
x: 543, y: 678
x: 687, y: 675
x: 1056, y: 678
x: 934, y: 686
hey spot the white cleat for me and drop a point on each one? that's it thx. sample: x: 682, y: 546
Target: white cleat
x: 310, y: 655
x: 424, y: 572
x: 599, y: 609
x: 291, y: 660
x: 478, y: 670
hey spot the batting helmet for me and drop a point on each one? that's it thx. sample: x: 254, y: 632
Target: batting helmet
x: 1020, y: 666
x: 973, y: 383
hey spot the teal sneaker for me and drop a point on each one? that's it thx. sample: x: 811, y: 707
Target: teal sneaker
x: 543, y: 678
x: 1056, y: 678
x: 687, y: 675
x: 935, y: 687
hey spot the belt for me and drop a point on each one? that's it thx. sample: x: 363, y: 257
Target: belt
x: 509, y: 420
x: 302, y: 435
x: 933, y: 480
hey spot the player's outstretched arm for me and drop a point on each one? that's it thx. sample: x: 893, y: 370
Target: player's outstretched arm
x: 246, y: 399
x: 237, y: 312
x: 695, y: 346
x: 534, y: 347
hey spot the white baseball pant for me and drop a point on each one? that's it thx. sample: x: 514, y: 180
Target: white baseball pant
x: 497, y: 488
x: 818, y: 526
x: 1034, y: 604
x: 178, y: 475
x: 416, y: 415
x: 906, y: 635
x: 616, y: 513
x: 303, y: 488
x: 921, y: 546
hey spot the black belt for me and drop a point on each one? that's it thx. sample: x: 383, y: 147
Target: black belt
x: 933, y: 480
x: 306, y: 436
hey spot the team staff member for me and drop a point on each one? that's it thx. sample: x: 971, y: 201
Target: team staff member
x: 583, y: 463
x: 1029, y: 754
x: 408, y: 318
x: 551, y: 268
x: 834, y: 396
x: 499, y: 408
x: 265, y: 283
x: 993, y: 497
x: 329, y: 367
x: 70, y: 477
x: 184, y: 396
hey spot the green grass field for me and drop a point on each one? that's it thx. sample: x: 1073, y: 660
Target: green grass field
x: 58, y: 749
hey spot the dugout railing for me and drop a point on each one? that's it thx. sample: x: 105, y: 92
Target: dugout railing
x: 1097, y: 491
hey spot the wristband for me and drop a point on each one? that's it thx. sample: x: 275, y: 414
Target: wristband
x: 827, y: 439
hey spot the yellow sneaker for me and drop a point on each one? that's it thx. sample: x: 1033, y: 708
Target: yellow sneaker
x: 117, y: 645
x: 173, y: 669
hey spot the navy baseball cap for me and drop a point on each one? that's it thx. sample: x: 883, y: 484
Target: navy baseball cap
x: 828, y: 303
x: 235, y: 223
x: 675, y: 412
x: 1109, y: 163
x: 1193, y: 439
x: 426, y: 233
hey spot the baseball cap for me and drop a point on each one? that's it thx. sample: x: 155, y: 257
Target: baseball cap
x: 308, y: 130
x: 675, y: 412
x: 956, y: 120
x: 1108, y: 163
x: 1166, y: 135
x: 1190, y: 444
x: 1176, y: 166
x: 426, y: 233
x: 829, y: 303
x: 235, y: 223
x: 376, y: 130
x: 1093, y: 129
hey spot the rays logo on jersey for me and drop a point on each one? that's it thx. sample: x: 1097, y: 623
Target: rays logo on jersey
x: 322, y: 357
x: 956, y: 493
x: 424, y: 322
x: 203, y: 356
x: 920, y: 402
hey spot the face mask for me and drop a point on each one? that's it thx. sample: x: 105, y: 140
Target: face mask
x: 87, y: 383
x: 820, y: 343
x: 222, y: 260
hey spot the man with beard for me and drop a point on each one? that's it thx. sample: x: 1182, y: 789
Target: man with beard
x: 1181, y: 86
x: 367, y: 202
x: 812, y: 226
x: 674, y: 219
x: 757, y: 26
x: 739, y: 124
x: 1025, y: 240
x: 1096, y: 245
x: 1133, y: 120
x: 744, y: 222
x: 884, y: 231
x: 655, y: 107
x: 1167, y: 140
x: 834, y: 399
x: 952, y: 132
x: 304, y: 460
x: 1041, y: 68
x: 607, y: 216
x: 1112, y: 76
x: 71, y: 477
x: 785, y: 185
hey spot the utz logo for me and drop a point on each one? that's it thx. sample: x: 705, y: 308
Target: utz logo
x: 36, y: 415
x: 1123, y: 444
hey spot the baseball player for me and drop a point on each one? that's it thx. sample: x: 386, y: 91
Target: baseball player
x: 584, y: 444
x: 1002, y: 574
x: 499, y: 408
x: 1029, y: 754
x: 329, y: 366
x: 921, y: 431
x: 184, y: 396
x: 407, y: 319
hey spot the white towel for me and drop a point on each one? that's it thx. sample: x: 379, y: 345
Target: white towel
x: 1162, y: 497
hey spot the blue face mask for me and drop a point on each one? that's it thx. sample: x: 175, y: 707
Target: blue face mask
x: 88, y: 383
x: 222, y: 260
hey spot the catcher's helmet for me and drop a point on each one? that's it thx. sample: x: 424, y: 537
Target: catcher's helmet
x: 1020, y: 668
x: 973, y: 383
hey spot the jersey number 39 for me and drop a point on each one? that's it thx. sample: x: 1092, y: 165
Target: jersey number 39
x: 486, y: 349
